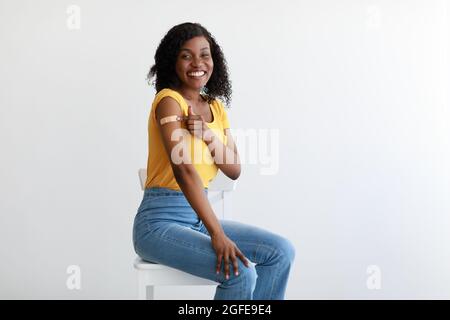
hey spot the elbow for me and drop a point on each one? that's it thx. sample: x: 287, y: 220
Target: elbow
x: 235, y: 175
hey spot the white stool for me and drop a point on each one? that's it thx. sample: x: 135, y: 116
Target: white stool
x: 154, y: 274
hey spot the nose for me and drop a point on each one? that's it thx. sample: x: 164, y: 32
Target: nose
x: 196, y: 61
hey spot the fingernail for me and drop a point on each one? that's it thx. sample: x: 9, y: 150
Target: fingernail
x: 236, y: 273
x: 227, y: 277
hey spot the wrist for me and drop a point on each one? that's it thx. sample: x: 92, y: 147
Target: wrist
x: 216, y: 233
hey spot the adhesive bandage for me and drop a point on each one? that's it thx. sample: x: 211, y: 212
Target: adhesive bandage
x: 169, y: 119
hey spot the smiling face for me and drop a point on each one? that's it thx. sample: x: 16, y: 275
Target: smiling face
x: 194, y: 64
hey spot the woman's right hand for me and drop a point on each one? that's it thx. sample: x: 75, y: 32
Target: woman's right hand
x: 227, y: 250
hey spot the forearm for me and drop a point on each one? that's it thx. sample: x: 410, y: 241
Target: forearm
x: 192, y: 187
x: 226, y: 158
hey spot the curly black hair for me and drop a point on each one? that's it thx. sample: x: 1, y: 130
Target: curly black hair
x: 218, y: 86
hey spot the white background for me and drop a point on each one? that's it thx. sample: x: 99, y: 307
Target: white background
x: 357, y: 89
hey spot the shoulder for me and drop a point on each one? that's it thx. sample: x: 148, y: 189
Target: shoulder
x: 218, y: 105
x: 169, y: 97
x: 166, y: 92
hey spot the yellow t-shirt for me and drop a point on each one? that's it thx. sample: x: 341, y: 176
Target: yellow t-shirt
x: 159, y: 170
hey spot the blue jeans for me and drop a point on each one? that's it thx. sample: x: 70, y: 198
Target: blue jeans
x: 168, y: 231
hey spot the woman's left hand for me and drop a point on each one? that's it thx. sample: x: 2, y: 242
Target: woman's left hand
x: 197, y: 126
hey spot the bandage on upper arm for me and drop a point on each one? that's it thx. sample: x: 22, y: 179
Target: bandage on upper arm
x: 169, y: 119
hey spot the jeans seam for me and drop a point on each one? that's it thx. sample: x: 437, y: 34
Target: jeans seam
x: 276, y: 251
x: 280, y: 255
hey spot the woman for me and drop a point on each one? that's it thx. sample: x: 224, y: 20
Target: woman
x: 189, y: 140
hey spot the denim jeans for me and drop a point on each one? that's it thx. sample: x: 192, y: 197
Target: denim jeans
x: 168, y: 231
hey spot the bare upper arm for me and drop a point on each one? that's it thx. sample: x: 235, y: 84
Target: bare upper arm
x: 173, y: 135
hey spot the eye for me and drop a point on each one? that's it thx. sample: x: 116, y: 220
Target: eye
x: 185, y: 56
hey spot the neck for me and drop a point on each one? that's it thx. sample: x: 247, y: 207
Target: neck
x: 190, y: 94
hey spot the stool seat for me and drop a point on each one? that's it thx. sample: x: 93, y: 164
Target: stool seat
x: 167, y: 276
x: 146, y: 265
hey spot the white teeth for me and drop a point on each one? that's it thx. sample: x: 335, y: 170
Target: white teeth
x: 196, y: 74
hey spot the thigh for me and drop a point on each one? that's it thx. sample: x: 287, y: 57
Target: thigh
x: 256, y: 243
x: 180, y: 247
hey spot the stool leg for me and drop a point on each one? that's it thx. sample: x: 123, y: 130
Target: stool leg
x: 150, y: 292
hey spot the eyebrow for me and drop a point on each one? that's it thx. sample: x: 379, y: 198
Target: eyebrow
x: 186, y: 49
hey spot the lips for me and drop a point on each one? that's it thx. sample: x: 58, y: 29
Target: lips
x: 196, y: 74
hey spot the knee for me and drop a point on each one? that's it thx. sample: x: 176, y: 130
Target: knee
x: 286, y: 249
x: 246, y: 273
x: 240, y: 287
x: 246, y: 278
